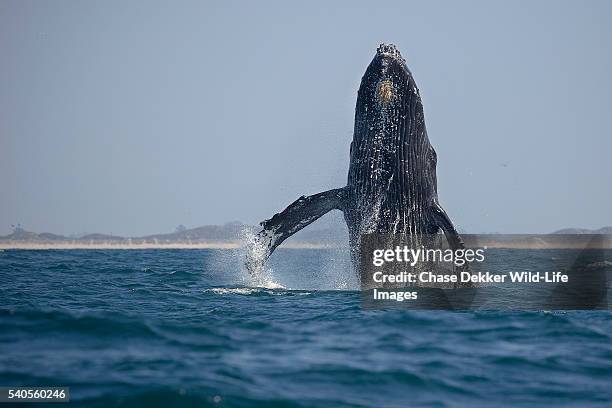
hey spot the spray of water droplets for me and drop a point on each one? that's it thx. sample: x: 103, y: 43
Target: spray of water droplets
x: 255, y: 271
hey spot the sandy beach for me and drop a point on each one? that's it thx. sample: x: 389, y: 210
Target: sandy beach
x: 549, y: 241
x: 144, y: 245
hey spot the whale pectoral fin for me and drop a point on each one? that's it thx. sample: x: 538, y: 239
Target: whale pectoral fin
x: 441, y: 219
x: 296, y: 216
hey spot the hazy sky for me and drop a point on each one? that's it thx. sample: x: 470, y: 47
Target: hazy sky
x: 132, y: 117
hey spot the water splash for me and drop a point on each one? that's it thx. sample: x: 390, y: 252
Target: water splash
x: 257, y: 291
x: 254, y: 270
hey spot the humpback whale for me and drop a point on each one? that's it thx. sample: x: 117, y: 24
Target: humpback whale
x: 391, y: 186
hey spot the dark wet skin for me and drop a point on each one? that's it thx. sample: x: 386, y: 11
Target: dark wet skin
x: 392, y: 185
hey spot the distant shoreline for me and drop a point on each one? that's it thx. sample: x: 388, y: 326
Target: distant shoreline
x: 175, y: 245
x: 500, y: 242
x: 228, y: 236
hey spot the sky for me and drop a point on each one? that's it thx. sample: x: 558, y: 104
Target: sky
x: 132, y: 117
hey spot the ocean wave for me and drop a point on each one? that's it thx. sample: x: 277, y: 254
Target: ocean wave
x: 186, y: 328
x: 257, y: 291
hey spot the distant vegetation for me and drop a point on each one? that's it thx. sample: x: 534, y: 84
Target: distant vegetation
x: 226, y: 233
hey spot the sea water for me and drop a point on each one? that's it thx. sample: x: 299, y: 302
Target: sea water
x: 191, y: 328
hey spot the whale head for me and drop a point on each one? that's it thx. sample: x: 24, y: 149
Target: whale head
x: 386, y: 81
x: 389, y: 126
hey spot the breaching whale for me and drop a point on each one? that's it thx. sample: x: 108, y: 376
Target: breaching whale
x: 392, y: 184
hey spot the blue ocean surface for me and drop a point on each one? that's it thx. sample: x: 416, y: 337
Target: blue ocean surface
x: 162, y: 328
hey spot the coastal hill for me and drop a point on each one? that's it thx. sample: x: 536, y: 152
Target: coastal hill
x: 226, y: 235
x: 568, y: 231
x: 209, y: 236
